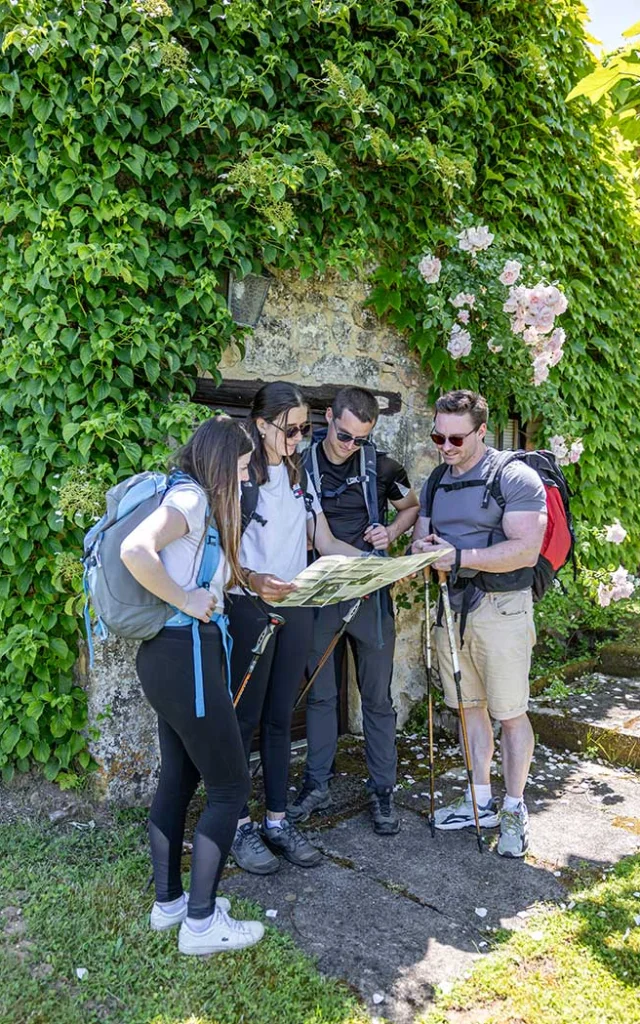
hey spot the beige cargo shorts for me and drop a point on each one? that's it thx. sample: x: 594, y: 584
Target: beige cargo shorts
x: 496, y: 656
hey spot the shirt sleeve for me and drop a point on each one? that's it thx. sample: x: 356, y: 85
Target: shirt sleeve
x: 394, y: 476
x: 191, y: 502
x: 522, y: 489
x: 317, y: 507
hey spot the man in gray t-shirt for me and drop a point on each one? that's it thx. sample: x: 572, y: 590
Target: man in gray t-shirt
x: 494, y: 626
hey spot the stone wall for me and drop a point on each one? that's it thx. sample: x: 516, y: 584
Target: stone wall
x: 318, y: 333
x: 312, y: 333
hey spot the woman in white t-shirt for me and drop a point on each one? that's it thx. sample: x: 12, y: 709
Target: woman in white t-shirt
x: 197, y: 726
x: 273, y: 551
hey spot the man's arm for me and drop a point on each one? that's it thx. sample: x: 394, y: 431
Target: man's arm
x: 524, y: 532
x: 421, y: 530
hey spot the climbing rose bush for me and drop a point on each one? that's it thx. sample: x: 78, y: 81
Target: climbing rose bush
x: 470, y: 278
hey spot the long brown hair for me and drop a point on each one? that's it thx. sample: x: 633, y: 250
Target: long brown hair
x: 273, y: 400
x: 211, y: 456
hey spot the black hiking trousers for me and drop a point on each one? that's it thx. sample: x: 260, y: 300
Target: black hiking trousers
x: 272, y: 690
x: 191, y: 749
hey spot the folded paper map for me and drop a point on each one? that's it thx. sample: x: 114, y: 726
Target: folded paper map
x: 336, y: 578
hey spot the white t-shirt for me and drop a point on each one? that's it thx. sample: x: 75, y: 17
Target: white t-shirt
x: 279, y: 547
x: 181, y: 558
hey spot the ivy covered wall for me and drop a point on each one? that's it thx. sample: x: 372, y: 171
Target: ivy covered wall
x: 145, y: 151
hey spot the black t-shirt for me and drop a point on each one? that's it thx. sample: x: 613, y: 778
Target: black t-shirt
x: 347, y: 514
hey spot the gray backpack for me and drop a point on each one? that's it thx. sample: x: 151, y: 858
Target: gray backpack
x: 120, y: 604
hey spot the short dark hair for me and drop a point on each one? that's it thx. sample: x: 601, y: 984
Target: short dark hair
x: 358, y: 401
x: 465, y: 401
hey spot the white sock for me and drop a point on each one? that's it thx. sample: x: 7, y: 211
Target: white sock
x: 512, y: 803
x: 199, y: 924
x: 274, y: 822
x: 172, y: 905
x: 483, y: 795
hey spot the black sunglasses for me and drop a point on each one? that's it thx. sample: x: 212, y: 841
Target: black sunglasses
x: 290, y: 432
x: 457, y: 440
x: 344, y: 436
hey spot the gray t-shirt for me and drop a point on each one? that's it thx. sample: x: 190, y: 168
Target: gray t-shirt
x: 458, y: 516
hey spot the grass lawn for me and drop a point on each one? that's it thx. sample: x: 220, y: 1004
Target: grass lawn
x: 580, y: 965
x: 83, y: 905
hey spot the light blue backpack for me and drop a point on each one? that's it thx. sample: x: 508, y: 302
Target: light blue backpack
x: 120, y: 604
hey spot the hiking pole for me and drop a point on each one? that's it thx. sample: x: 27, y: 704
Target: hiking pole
x: 427, y: 626
x: 351, y: 614
x: 258, y: 649
x: 442, y: 579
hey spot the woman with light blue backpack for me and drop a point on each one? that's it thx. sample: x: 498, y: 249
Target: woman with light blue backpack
x: 184, y: 674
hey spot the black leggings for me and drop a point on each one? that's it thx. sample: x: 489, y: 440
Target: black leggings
x: 190, y: 749
x: 271, y: 693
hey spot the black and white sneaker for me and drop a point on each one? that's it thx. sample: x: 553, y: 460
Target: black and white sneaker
x: 309, y: 800
x: 459, y: 814
x: 287, y: 840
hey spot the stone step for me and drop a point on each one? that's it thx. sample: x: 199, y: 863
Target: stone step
x: 597, y: 715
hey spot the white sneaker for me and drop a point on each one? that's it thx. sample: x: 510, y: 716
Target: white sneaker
x: 160, y: 920
x: 224, y: 932
x: 514, y: 832
x: 459, y: 814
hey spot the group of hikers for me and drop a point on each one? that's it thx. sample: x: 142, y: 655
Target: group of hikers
x: 264, y: 505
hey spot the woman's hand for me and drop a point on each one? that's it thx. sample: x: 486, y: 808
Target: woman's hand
x: 269, y: 587
x: 200, y: 604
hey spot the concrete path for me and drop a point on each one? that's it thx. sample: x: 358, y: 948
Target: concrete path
x: 396, y: 916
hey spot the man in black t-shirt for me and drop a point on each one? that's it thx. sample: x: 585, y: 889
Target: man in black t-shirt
x: 343, y: 467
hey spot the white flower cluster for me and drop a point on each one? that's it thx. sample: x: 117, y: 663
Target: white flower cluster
x: 474, y: 240
x: 429, y: 269
x: 566, y: 451
x: 621, y: 586
x: 533, y: 312
x: 615, y: 534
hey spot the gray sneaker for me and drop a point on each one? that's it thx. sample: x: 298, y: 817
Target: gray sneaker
x: 250, y: 853
x: 291, y: 843
x: 384, y: 817
x: 514, y: 832
x: 307, y: 802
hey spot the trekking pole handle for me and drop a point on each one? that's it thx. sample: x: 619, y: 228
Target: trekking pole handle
x: 351, y: 614
x: 275, y: 621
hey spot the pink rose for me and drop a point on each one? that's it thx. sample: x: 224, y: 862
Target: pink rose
x: 615, y: 534
x: 463, y: 316
x: 576, y: 450
x: 543, y: 321
x: 558, y: 446
x: 605, y: 594
x: 530, y: 336
x: 459, y: 342
x: 429, y: 268
x: 620, y: 576
x: 510, y: 272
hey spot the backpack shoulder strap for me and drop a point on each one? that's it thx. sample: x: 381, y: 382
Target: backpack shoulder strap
x: 434, y: 481
x: 249, y: 502
x: 310, y: 463
x: 369, y: 474
x: 492, y: 487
